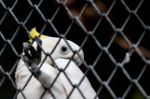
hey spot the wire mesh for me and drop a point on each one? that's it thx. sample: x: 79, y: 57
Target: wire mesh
x: 113, y: 34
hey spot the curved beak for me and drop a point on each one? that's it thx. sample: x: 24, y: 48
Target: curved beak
x: 78, y: 57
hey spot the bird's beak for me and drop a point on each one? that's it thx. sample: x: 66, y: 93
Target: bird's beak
x: 78, y: 57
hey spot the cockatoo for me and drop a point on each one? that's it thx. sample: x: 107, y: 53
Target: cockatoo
x: 48, y: 76
x: 62, y: 50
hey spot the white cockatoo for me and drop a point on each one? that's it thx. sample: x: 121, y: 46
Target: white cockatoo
x: 48, y: 76
x: 62, y: 50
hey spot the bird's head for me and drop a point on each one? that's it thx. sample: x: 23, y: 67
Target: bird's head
x: 58, y: 48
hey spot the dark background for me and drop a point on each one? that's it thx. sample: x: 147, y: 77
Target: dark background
x: 111, y: 28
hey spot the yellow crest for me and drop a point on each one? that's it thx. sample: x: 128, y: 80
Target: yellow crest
x: 34, y: 33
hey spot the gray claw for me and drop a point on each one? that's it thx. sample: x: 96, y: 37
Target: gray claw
x: 35, y: 71
x: 26, y: 45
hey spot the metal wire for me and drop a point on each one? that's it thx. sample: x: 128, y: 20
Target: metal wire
x: 113, y: 34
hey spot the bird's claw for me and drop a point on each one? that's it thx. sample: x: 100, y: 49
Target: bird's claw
x: 32, y: 55
x: 35, y: 71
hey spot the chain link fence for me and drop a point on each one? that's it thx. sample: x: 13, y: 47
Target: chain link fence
x: 114, y: 35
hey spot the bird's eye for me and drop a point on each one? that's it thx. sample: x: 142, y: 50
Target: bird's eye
x: 64, y: 49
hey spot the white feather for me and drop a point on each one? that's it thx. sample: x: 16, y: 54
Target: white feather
x: 34, y: 88
x: 75, y: 75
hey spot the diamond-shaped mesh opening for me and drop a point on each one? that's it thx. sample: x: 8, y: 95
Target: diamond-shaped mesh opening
x: 142, y: 14
x: 48, y: 8
x: 89, y: 17
x: 75, y: 6
x: 133, y: 29
x: 19, y: 38
x: 119, y: 48
x: 103, y: 5
x: 9, y: 3
x: 2, y: 11
x: 49, y: 31
x: 94, y: 82
x: 84, y: 11
x: 105, y: 94
x: 74, y: 32
x: 35, y: 20
x: 104, y: 32
x: 104, y: 67
x: 135, y: 66
x: 20, y: 11
x: 118, y: 14
x: 143, y: 80
x: 63, y: 19
x: 119, y: 83
x: 93, y: 48
x: 132, y: 4
x: 134, y: 93
x: 8, y: 57
x: 144, y: 45
x: 5, y: 87
x: 8, y: 26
